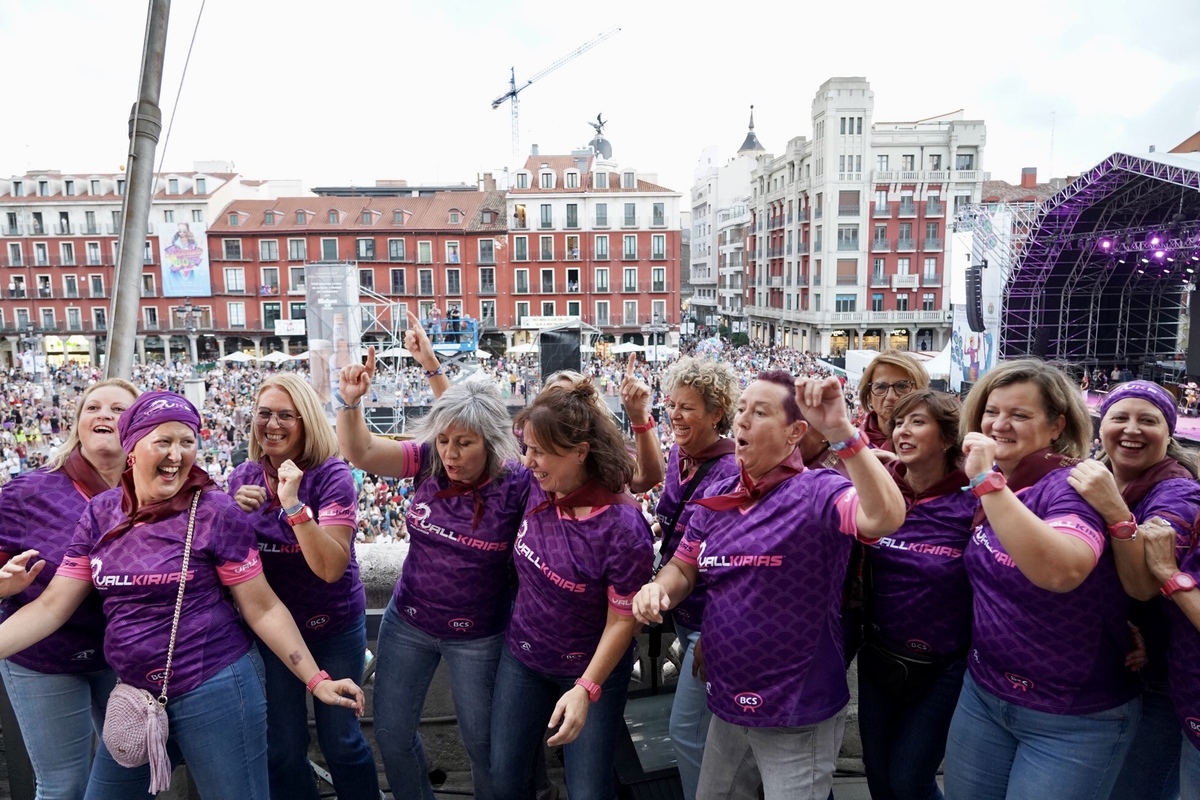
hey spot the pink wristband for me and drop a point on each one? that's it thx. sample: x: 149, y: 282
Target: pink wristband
x: 315, y: 679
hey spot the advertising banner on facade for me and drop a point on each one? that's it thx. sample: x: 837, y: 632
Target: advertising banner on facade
x: 183, y: 250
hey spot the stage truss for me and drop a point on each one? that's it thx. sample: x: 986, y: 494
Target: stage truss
x: 1071, y: 297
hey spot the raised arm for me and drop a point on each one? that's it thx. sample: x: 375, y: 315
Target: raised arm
x: 1096, y: 484
x: 417, y: 343
x: 635, y: 397
x: 1050, y: 559
x: 880, y: 504
x: 363, y: 449
x: 326, y: 548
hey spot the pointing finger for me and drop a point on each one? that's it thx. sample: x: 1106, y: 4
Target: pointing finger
x: 629, y: 368
x: 371, y: 361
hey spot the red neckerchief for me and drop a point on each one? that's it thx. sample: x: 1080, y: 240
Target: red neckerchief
x: 460, y: 488
x: 1165, y: 470
x: 86, y: 477
x: 179, y: 503
x: 721, y: 447
x: 272, y: 474
x: 591, y: 494
x: 748, y: 492
x: 952, y: 482
x: 1031, y: 469
x: 875, y: 435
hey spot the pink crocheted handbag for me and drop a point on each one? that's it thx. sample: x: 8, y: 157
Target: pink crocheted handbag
x: 135, y: 721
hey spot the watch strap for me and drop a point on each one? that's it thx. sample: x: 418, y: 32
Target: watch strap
x: 1124, y: 530
x: 315, y: 679
x: 592, y: 689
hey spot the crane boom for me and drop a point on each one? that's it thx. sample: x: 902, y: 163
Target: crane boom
x: 514, y: 91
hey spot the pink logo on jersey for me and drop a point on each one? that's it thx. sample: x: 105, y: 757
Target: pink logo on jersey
x: 461, y: 624
x: 748, y: 702
x: 319, y: 621
x: 1018, y: 682
x: 157, y: 675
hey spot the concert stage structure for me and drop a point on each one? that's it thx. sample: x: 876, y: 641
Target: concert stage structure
x: 1101, y: 273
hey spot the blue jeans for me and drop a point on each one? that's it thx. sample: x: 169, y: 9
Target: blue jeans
x: 903, y: 743
x: 1151, y: 769
x: 524, y: 702
x: 346, y: 751
x: 407, y: 659
x: 220, y: 727
x: 689, y: 715
x: 997, y: 749
x: 60, y: 717
x: 1189, y: 769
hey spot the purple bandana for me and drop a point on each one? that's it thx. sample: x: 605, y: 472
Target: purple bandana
x: 1143, y: 390
x: 151, y: 410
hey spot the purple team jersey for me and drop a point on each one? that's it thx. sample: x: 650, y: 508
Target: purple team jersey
x: 457, y: 579
x: 570, y: 572
x: 691, y: 611
x: 1057, y: 652
x: 137, y: 576
x: 320, y: 609
x: 772, y: 625
x: 40, y: 510
x: 919, y: 595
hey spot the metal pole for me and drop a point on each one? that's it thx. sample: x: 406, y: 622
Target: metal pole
x: 145, y: 124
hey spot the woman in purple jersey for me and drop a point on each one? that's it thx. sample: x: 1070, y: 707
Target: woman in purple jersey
x: 918, y: 606
x: 302, y: 502
x: 1145, y: 477
x: 701, y: 395
x: 129, y: 546
x: 455, y: 591
x: 890, y: 375
x: 1048, y: 707
x: 582, y: 551
x: 59, y: 687
x: 773, y: 548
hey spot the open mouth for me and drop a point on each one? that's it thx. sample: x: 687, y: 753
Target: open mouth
x: 275, y: 437
x: 1135, y: 446
x: 103, y: 429
x: 168, y: 473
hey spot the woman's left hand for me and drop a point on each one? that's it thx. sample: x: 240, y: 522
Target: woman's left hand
x: 289, y: 483
x: 1097, y: 485
x: 571, y: 711
x: 1136, y: 658
x: 343, y: 694
x: 979, y: 453
x: 635, y: 394
x: 1159, y: 538
x: 824, y: 406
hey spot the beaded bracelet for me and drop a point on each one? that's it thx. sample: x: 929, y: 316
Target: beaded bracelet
x: 429, y: 373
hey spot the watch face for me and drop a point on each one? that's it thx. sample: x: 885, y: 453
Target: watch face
x: 1122, y: 530
x: 1185, y: 581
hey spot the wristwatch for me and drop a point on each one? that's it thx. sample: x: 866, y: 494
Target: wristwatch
x: 1125, y: 530
x: 300, y: 517
x: 592, y: 689
x: 989, y: 482
x: 1179, y: 582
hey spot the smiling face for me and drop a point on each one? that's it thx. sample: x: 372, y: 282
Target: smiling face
x: 761, y: 429
x: 98, y: 420
x: 162, y: 459
x: 695, y: 428
x: 560, y: 473
x: 1015, y: 418
x: 462, y: 452
x: 918, y: 440
x: 278, y: 426
x: 1135, y: 437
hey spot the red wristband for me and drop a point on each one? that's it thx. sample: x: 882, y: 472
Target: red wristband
x: 849, y: 447
x: 315, y: 679
x: 644, y: 427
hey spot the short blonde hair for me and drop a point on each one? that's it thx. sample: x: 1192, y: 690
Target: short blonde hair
x: 1060, y: 398
x: 320, y: 442
x: 59, y: 456
x: 891, y: 358
x: 715, y: 382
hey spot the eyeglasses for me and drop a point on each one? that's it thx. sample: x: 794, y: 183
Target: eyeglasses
x: 901, y: 388
x: 286, y: 419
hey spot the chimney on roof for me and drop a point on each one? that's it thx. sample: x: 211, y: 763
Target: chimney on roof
x: 533, y: 150
x: 489, y: 182
x: 1028, y: 177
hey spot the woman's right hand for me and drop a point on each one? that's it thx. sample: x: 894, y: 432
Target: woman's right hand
x: 417, y: 343
x: 343, y: 694
x: 250, y: 498
x: 1159, y: 538
x: 14, y: 575
x: 1096, y: 484
x: 354, y: 381
x: 649, y: 603
x: 979, y: 453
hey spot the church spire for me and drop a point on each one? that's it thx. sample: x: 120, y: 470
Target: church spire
x: 751, y: 144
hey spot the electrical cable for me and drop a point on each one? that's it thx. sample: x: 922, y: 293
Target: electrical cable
x: 179, y: 92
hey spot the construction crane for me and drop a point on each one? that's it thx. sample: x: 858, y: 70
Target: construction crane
x: 513, y: 93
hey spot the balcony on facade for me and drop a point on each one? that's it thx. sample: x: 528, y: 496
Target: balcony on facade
x: 907, y: 209
x: 879, y: 280
x: 879, y: 245
x: 904, y: 282
x: 930, y: 176
x: 848, y: 245
x: 933, y: 243
x: 883, y: 211
x: 935, y: 208
x: 931, y: 279
x: 906, y: 245
x: 849, y: 210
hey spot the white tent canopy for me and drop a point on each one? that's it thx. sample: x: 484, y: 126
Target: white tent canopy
x: 276, y: 357
x: 937, y: 366
x: 522, y: 349
x: 238, y: 357
x: 394, y: 352
x: 482, y: 354
x: 626, y: 347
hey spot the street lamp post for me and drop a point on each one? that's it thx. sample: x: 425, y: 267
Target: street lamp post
x: 189, y: 323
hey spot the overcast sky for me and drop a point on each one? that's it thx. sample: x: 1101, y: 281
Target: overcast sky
x: 348, y: 92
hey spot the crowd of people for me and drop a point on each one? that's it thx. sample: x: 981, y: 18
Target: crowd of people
x: 1021, y: 613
